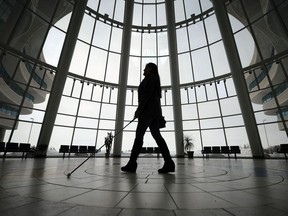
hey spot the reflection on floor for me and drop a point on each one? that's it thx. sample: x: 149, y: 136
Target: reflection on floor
x: 198, y: 187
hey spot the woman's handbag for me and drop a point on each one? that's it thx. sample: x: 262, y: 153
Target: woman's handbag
x: 162, y: 122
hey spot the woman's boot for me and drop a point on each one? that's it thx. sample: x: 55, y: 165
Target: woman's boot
x: 132, y: 164
x: 169, y: 165
x: 130, y: 167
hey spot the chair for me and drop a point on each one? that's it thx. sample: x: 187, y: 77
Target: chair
x: 25, y: 148
x: 235, y: 150
x: 64, y: 149
x: 11, y: 147
x: 283, y: 149
x: 216, y: 150
x: 143, y: 150
x: 207, y: 150
x: 74, y: 149
x: 225, y: 150
x: 157, y: 151
x: 83, y: 149
x: 91, y: 149
x: 150, y: 150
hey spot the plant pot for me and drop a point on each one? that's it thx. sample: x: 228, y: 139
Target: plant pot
x: 190, y: 154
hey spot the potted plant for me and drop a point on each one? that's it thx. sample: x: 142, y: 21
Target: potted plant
x: 108, y: 144
x: 188, y: 145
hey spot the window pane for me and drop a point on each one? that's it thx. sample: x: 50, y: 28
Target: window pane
x: 201, y: 71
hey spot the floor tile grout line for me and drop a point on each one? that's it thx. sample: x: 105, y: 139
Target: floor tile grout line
x: 226, y: 210
x: 171, y: 196
x: 38, y: 200
x: 80, y: 194
x: 127, y: 193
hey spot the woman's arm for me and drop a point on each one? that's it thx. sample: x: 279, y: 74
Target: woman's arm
x: 147, y: 91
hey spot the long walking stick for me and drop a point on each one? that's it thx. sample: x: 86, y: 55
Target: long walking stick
x: 69, y: 174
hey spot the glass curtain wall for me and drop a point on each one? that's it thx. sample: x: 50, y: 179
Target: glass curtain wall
x: 266, y: 74
x: 26, y: 78
x: 210, y: 108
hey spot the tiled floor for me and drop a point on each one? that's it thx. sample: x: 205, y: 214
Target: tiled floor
x: 198, y: 187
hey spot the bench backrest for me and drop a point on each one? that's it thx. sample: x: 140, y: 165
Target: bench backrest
x: 83, y: 149
x: 207, y: 149
x: 12, y: 146
x: 283, y: 146
x: 74, y: 149
x: 24, y: 147
x: 235, y: 149
x: 215, y: 149
x: 2, y: 146
x: 157, y: 150
x: 64, y: 148
x: 91, y: 149
x: 225, y: 149
x: 150, y: 150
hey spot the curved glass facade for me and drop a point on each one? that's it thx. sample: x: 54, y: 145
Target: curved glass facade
x: 210, y: 108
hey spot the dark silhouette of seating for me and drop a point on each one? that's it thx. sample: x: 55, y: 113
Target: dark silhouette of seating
x: 207, y: 150
x: 23, y: 148
x: 216, y: 150
x: 82, y: 149
x: 64, y: 149
x: 2, y: 147
x: 225, y: 150
x: 150, y: 150
x: 74, y: 149
x: 283, y: 148
x: 91, y: 149
x: 11, y: 147
x: 235, y: 150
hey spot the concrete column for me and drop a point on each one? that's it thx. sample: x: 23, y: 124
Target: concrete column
x: 174, y: 73
x: 238, y: 78
x: 60, y: 77
x: 123, y: 76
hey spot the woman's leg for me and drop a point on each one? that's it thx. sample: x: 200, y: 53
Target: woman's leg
x: 140, y: 132
x: 169, y: 165
x: 138, y: 143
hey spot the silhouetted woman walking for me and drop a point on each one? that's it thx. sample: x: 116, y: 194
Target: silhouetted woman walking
x: 148, y: 114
